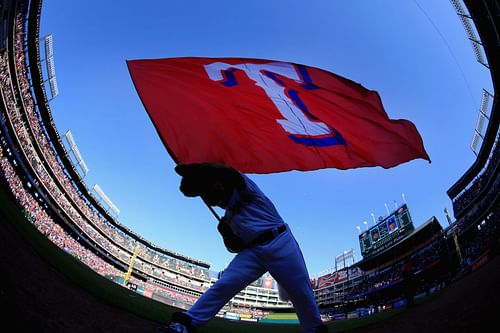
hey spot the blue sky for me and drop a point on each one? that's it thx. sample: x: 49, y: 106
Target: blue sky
x: 414, y: 53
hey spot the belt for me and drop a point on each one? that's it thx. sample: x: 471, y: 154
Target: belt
x: 267, y: 236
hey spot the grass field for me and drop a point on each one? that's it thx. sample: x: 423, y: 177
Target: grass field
x: 280, y: 318
x: 123, y: 299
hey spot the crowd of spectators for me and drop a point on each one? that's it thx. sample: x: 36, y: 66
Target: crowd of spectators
x: 428, y: 256
x: 421, y: 260
x: 467, y: 197
x: 59, y: 188
x: 24, y: 131
x: 36, y: 213
x: 172, y: 297
x: 52, y: 176
x: 485, y: 239
x: 485, y: 203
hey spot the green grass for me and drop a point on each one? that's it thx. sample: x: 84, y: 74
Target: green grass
x: 132, y: 302
x: 282, y: 316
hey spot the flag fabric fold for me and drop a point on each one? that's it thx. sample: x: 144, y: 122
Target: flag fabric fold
x: 264, y: 116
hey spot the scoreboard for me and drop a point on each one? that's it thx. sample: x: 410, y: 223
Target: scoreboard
x: 386, y: 232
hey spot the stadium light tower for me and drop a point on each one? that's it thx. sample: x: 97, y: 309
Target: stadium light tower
x: 466, y: 19
x: 387, y: 209
x: 106, y: 199
x: 373, y: 217
x: 404, y: 199
x: 366, y: 225
x: 50, y: 65
x: 359, y: 229
x: 480, y: 124
x: 76, y: 152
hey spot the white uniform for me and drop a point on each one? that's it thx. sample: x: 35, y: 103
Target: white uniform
x: 250, y: 213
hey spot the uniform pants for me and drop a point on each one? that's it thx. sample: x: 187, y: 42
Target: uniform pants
x: 283, y: 259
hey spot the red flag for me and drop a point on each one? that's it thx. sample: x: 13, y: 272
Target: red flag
x: 263, y: 116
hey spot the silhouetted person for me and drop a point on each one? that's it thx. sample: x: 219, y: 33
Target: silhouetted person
x: 252, y: 228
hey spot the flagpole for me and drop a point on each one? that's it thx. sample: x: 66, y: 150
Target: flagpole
x: 214, y: 213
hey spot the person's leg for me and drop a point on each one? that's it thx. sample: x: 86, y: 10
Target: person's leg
x: 285, y: 262
x: 243, y: 270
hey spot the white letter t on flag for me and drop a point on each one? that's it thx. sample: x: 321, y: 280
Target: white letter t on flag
x: 295, y: 122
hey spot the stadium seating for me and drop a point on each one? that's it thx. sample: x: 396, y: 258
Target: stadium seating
x: 49, y: 193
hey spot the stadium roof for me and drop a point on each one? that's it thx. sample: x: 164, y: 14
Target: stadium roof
x: 485, y: 14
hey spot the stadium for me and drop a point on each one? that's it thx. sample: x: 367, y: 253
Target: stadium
x: 69, y: 265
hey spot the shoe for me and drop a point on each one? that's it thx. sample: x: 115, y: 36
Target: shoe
x: 172, y: 328
x: 181, y: 323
